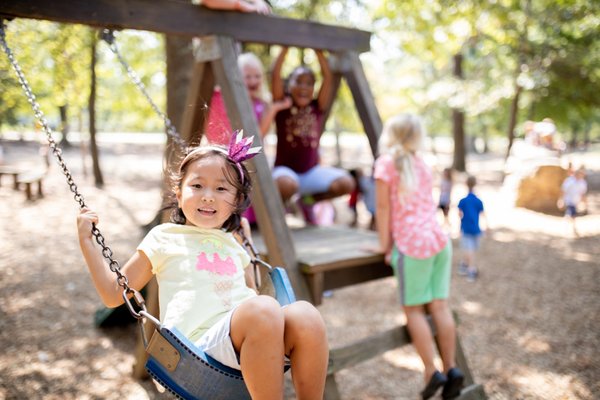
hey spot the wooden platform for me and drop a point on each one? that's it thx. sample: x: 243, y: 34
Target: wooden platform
x: 334, y: 257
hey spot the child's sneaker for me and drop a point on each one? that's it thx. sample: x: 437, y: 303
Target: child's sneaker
x: 472, y: 274
x: 463, y: 270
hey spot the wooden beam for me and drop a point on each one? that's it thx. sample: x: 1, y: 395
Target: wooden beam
x: 364, y: 100
x: 367, y: 348
x: 198, y: 97
x: 472, y: 392
x: 266, y: 199
x: 183, y: 18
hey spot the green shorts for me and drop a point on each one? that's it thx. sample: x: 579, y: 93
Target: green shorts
x: 420, y: 281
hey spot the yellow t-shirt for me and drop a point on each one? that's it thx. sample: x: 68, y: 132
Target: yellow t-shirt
x: 200, y: 274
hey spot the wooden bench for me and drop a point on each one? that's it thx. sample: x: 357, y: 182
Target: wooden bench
x: 13, y: 171
x: 28, y: 179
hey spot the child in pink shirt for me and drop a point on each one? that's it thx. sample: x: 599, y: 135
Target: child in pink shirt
x: 417, y: 248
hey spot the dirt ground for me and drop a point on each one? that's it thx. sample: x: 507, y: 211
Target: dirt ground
x: 528, y: 325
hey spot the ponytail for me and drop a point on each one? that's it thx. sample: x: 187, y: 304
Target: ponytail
x: 401, y: 138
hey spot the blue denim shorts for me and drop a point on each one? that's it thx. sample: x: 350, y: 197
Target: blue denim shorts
x: 318, y: 179
x: 469, y: 242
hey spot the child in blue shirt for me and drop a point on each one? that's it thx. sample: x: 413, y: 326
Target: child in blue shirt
x: 470, y: 208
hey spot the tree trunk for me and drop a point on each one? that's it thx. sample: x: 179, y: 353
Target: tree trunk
x: 99, y: 181
x: 586, y: 134
x: 574, y: 136
x: 514, y: 109
x: 484, y: 135
x: 180, y: 62
x: 458, y: 123
x: 64, y: 125
x: 486, y: 140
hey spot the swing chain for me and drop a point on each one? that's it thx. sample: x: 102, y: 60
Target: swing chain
x: 57, y: 151
x: 108, y: 36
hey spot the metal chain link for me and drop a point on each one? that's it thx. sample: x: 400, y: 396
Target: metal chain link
x: 108, y: 36
x: 57, y: 151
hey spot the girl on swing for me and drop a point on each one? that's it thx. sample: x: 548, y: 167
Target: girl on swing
x: 206, y: 289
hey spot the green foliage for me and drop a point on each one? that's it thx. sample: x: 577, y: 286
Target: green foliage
x: 547, y: 47
x: 55, y: 59
x: 122, y: 107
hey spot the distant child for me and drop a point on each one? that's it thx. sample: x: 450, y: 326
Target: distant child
x: 417, y: 248
x: 470, y: 208
x: 446, y: 194
x: 574, y: 190
x: 299, y: 130
x: 218, y: 127
x: 206, y: 288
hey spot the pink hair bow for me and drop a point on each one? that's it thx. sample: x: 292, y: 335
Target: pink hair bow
x: 240, y: 147
x: 239, y: 150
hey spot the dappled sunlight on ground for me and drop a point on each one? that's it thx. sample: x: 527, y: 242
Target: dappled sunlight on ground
x: 532, y: 343
x: 400, y: 359
x: 550, y: 385
x: 528, y: 325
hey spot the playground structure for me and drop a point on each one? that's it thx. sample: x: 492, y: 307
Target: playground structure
x: 317, y: 259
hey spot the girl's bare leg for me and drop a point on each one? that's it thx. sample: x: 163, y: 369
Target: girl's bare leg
x: 257, y: 332
x: 421, y: 337
x: 446, y: 331
x: 339, y: 187
x: 287, y: 187
x: 306, y: 345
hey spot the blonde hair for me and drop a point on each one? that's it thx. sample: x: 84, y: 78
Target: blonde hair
x: 402, y: 137
x: 252, y: 60
x: 245, y: 59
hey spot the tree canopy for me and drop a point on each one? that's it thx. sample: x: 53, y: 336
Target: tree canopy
x: 546, y: 50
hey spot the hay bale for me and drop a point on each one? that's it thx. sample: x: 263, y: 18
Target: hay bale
x: 541, y: 191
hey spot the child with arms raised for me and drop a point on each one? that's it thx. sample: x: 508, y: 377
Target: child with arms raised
x: 417, y: 249
x: 206, y: 289
x: 299, y: 130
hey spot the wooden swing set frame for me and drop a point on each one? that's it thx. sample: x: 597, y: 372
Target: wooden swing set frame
x: 317, y: 259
